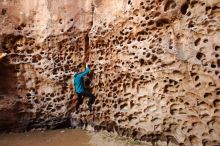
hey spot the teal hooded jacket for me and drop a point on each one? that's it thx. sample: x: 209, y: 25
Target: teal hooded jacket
x: 79, y: 82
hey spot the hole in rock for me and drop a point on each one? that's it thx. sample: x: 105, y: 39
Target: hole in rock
x: 161, y: 22
x: 218, y: 62
x: 215, y: 8
x: 217, y: 48
x: 218, y: 92
x: 60, y: 21
x: 188, y: 14
x: 213, y: 65
x: 197, y: 85
x: 4, y: 11
x: 207, y: 95
x: 196, y: 78
x: 170, y: 4
x: 205, y: 40
x: 207, y: 8
x: 197, y: 41
x: 151, y: 22
x: 184, y: 8
x: 216, y: 102
x: 193, y: 3
x: 200, y: 55
x: 190, y: 25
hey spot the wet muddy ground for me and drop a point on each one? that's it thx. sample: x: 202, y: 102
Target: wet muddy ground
x: 66, y: 137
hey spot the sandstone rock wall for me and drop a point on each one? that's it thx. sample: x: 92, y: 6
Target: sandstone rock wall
x: 157, y: 70
x: 155, y: 66
x: 43, y: 40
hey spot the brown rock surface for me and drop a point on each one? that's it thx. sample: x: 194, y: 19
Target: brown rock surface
x: 42, y: 40
x: 155, y: 63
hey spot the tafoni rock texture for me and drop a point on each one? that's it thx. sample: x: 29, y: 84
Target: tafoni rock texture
x: 155, y: 67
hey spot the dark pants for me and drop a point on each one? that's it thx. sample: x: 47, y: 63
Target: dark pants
x: 80, y: 99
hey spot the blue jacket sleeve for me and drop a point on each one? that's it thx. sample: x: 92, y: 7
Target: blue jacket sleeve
x: 84, y: 73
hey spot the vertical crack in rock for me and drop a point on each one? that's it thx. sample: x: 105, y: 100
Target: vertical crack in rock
x: 86, y: 36
x: 87, y: 48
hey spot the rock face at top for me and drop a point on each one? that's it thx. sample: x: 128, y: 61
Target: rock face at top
x: 155, y: 66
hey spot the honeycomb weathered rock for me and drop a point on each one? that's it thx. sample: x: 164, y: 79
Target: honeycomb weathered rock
x: 157, y: 70
x: 44, y: 41
x: 155, y: 65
